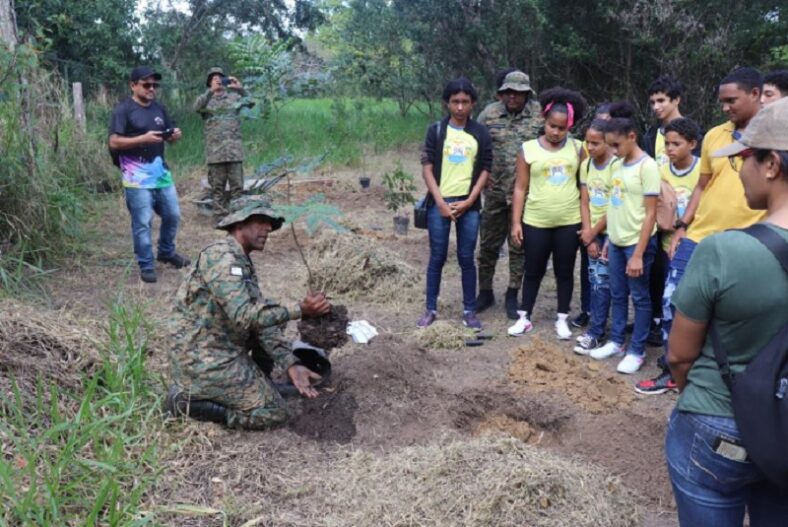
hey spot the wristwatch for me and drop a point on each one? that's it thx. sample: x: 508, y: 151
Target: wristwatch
x: 680, y: 224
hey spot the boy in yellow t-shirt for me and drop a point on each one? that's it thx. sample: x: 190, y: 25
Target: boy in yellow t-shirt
x: 683, y: 170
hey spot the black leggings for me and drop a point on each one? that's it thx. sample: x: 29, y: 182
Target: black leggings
x: 539, y: 244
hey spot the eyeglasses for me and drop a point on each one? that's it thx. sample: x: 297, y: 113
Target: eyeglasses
x: 149, y: 85
x: 744, y: 154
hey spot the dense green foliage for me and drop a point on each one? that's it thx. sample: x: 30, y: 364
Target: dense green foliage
x: 407, y: 49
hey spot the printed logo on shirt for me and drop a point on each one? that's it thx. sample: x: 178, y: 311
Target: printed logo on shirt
x: 597, y: 192
x: 617, y: 192
x: 683, y: 195
x: 556, y: 174
x: 457, y: 151
x: 158, y: 120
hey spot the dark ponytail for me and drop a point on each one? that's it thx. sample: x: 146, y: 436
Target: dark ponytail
x: 622, y: 119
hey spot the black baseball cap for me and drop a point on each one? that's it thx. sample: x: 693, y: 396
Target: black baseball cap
x: 143, y: 72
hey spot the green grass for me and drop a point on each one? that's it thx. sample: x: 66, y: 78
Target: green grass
x: 92, y: 467
x: 344, y: 130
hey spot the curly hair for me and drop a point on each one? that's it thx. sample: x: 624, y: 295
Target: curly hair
x: 686, y: 128
x: 668, y: 85
x: 558, y: 99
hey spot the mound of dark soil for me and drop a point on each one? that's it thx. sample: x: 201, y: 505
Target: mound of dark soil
x: 329, y: 417
x: 327, y: 332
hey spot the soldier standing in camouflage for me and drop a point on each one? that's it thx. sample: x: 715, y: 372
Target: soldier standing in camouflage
x: 514, y: 119
x: 220, y: 108
x: 227, y: 336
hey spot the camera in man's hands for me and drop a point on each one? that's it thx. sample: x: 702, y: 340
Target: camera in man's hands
x: 226, y: 81
x: 166, y: 134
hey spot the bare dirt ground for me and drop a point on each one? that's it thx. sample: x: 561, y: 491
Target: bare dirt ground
x: 389, y: 394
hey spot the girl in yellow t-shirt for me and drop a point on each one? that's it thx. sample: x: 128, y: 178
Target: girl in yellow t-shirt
x: 595, y: 186
x: 631, y: 225
x: 546, y: 189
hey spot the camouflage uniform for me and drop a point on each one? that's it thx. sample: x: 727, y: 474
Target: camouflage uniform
x: 220, y: 316
x: 508, y: 133
x: 223, y: 143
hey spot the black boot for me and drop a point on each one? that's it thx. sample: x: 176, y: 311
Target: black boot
x: 511, y: 303
x: 484, y: 300
x: 177, y: 404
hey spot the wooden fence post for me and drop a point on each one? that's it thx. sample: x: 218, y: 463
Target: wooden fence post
x: 79, y: 106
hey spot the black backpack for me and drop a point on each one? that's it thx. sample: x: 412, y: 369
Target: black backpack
x: 760, y: 394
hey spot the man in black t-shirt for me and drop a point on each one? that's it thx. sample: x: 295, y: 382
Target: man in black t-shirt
x: 137, y: 131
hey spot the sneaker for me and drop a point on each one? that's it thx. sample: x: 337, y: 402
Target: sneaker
x: 522, y: 326
x: 562, y: 328
x: 660, y: 384
x: 485, y: 299
x: 655, y: 335
x: 148, y: 276
x: 175, y: 260
x: 470, y: 321
x: 608, y: 350
x: 630, y: 363
x: 581, y: 320
x: 511, y: 303
x: 426, y: 319
x: 585, y: 343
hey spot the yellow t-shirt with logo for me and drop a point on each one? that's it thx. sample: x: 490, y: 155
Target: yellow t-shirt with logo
x: 597, y: 182
x: 459, y: 155
x: 630, y: 183
x: 553, y: 197
x: 722, y: 204
x: 683, y: 182
x: 660, y: 152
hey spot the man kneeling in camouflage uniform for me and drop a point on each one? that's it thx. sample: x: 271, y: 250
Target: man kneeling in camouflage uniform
x: 228, y: 337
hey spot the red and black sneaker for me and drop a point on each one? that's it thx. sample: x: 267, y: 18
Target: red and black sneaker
x: 660, y: 384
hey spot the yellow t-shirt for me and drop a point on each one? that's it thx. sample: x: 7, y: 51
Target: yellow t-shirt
x: 660, y: 153
x: 630, y: 183
x: 597, y: 182
x: 683, y: 182
x: 722, y: 204
x: 553, y: 197
x: 459, y: 155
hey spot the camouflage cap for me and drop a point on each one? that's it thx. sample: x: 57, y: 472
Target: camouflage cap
x: 247, y: 206
x: 516, y: 81
x: 211, y: 73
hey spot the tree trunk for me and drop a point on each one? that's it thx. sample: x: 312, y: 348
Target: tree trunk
x: 8, y: 23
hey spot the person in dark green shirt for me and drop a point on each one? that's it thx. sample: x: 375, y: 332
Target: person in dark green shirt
x: 735, y: 282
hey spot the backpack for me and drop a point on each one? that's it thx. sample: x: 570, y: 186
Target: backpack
x: 760, y: 394
x: 667, y: 207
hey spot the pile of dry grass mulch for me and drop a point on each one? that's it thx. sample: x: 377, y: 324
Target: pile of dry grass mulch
x: 443, y: 335
x: 354, y: 267
x: 482, y: 481
x: 39, y: 344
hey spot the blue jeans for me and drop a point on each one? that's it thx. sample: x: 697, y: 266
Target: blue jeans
x: 439, y: 228
x: 142, y: 203
x: 675, y: 271
x: 621, y: 286
x: 712, y: 490
x: 599, y: 278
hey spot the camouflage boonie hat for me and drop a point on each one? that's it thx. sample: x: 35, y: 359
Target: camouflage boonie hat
x: 211, y: 73
x: 246, y: 206
x: 516, y: 81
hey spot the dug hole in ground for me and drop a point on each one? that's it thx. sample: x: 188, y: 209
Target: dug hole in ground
x: 414, y: 429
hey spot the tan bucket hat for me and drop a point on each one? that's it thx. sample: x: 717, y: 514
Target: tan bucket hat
x: 768, y: 130
x: 516, y: 81
x: 248, y: 206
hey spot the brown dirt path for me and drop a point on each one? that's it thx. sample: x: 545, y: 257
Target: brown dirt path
x: 390, y: 393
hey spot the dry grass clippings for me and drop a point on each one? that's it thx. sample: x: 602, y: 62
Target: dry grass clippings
x: 544, y: 367
x: 443, y: 335
x: 357, y: 267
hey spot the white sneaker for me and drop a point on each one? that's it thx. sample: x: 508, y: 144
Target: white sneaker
x: 562, y: 328
x: 630, y: 363
x: 608, y: 350
x: 522, y: 326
